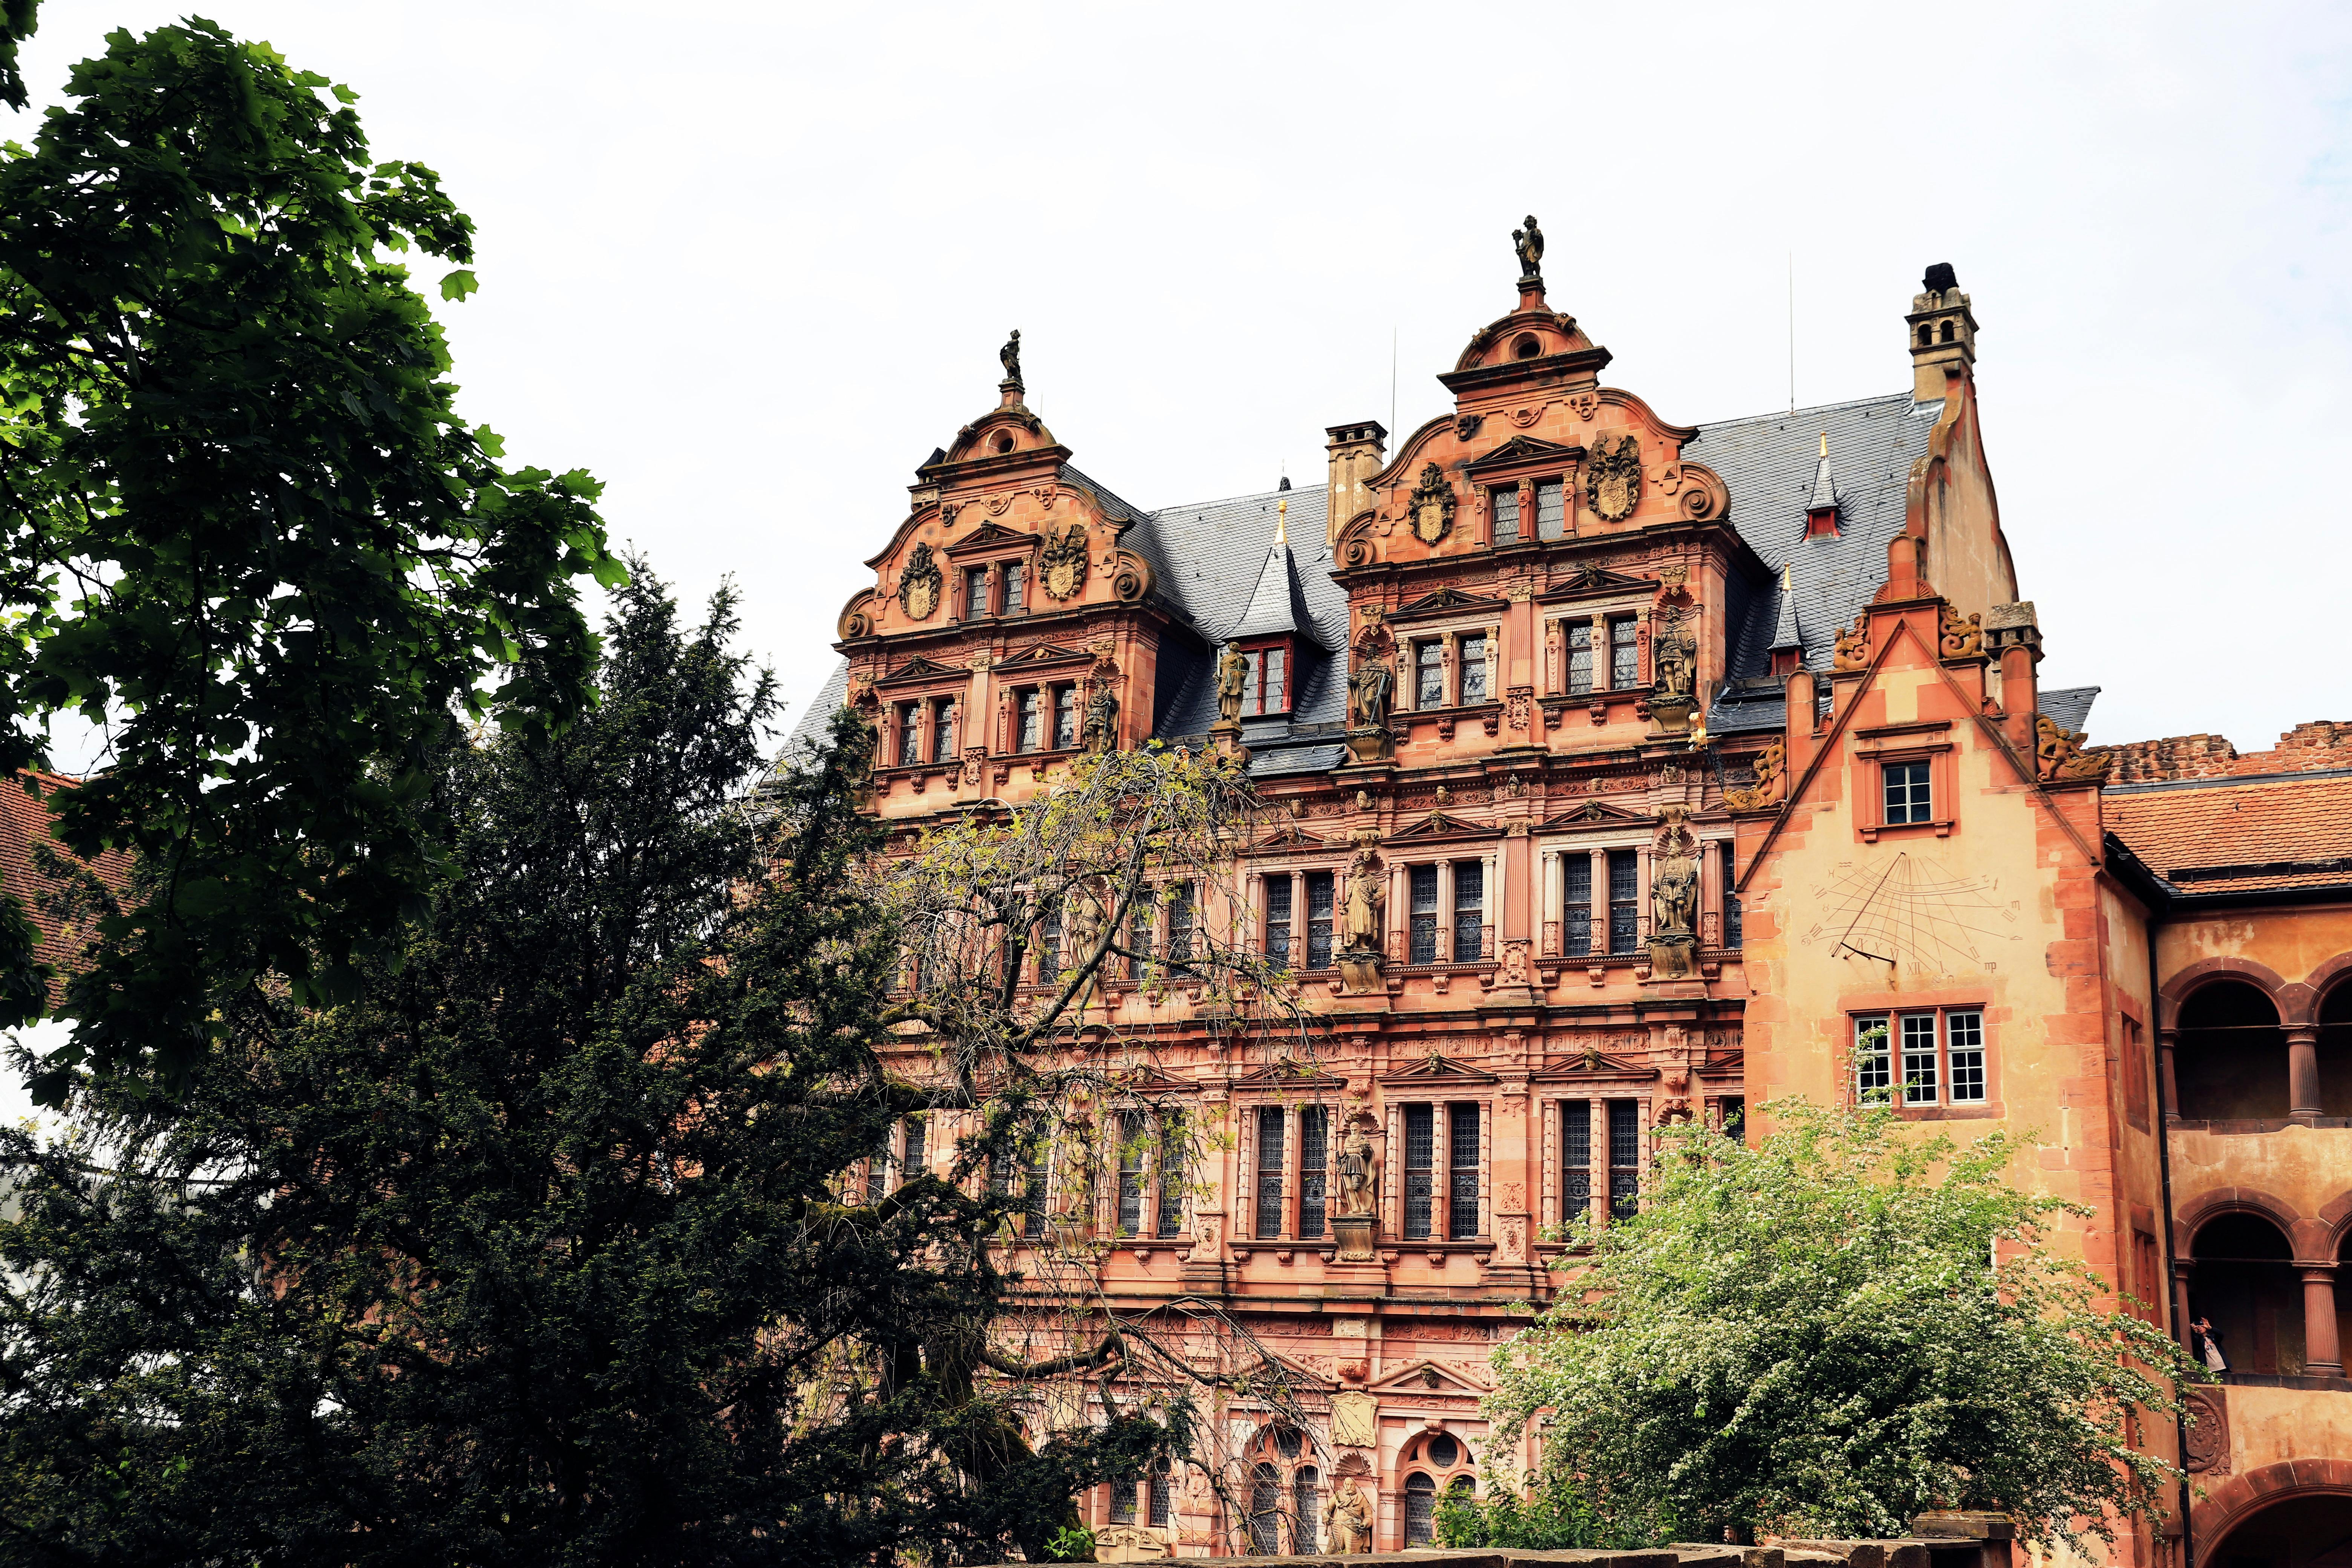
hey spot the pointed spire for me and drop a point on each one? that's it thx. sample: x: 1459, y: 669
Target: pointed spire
x: 1785, y: 634
x: 1281, y: 520
x: 1279, y: 603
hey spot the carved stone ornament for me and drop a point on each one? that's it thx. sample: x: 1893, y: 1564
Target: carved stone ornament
x: 1465, y: 425
x: 1431, y: 506
x: 1772, y: 765
x: 1062, y: 568
x: 1131, y: 1543
x: 2058, y: 753
x: 1852, y: 645
x: 1962, y: 638
x: 1613, y: 480
x: 2209, y: 1431
x: 920, y: 584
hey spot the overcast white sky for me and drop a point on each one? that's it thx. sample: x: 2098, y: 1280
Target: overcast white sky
x: 750, y: 263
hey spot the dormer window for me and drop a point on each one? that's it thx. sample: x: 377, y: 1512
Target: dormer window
x: 1267, y: 678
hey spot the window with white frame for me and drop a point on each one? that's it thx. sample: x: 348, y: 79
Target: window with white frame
x: 1916, y: 1059
x: 1907, y: 794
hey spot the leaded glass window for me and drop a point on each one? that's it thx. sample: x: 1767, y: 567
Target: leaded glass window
x: 943, y: 731
x: 1420, y: 1511
x: 1033, y: 719
x: 1179, y: 923
x: 1624, y: 1157
x: 1576, y: 1157
x: 1505, y: 502
x: 1033, y: 1192
x: 1131, y: 1173
x: 1732, y: 937
x: 1423, y: 932
x: 1579, y: 657
x: 1551, y: 510
x: 1265, y: 1513
x: 975, y: 592
x: 1469, y: 910
x: 1462, y: 1161
x: 1319, y: 920
x: 1429, y: 674
x: 1313, y: 1155
x: 1015, y: 582
x: 1624, y: 661
x: 1269, y: 1171
x: 1474, y: 668
x: 1420, y: 1157
x: 1306, y: 1508
x: 910, y: 734
x: 1576, y: 904
x: 1278, y: 918
x: 1065, y: 718
x: 1171, y: 1173
x: 1624, y: 900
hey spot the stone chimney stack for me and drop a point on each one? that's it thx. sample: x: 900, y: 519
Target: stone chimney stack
x: 1943, y: 332
x: 1358, y: 452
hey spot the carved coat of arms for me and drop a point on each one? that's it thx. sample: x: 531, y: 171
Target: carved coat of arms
x: 1063, y: 569
x: 1613, y: 480
x: 1431, y: 507
x: 919, y: 585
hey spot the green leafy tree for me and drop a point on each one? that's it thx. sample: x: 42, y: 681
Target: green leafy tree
x: 544, y: 1246
x: 243, y: 529
x: 1811, y: 1336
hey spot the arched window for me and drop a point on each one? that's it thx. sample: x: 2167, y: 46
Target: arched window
x: 1162, y: 1499
x: 1947, y: 332
x: 1927, y: 335
x: 1306, y: 1508
x: 1265, y: 1513
x: 2244, y: 1286
x: 1420, y: 1510
x: 1122, y: 1502
x: 2229, y: 1061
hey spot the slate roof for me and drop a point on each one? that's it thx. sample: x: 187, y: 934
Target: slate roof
x: 2069, y: 707
x: 1770, y: 463
x: 2255, y: 833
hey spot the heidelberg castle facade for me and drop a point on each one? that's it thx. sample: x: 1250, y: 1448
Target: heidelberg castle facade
x: 1692, y: 755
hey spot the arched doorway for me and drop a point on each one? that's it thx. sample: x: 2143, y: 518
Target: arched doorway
x: 2244, y: 1284
x: 2229, y: 1061
x: 2297, y: 1533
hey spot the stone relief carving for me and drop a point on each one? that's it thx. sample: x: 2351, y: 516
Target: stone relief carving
x: 1771, y: 763
x: 2209, y: 1431
x: 1613, y: 479
x: 2058, y: 753
x: 919, y: 584
x: 1063, y: 569
x: 1962, y: 638
x: 1852, y: 645
x: 1430, y: 506
x: 1466, y: 425
x: 1233, y: 673
x: 1102, y: 718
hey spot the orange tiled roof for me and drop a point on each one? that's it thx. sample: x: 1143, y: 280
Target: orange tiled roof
x: 2247, y: 834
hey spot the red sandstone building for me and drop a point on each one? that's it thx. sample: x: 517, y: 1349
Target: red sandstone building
x: 1702, y: 753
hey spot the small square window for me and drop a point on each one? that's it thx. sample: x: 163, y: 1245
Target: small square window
x: 1907, y: 795
x: 1873, y: 1078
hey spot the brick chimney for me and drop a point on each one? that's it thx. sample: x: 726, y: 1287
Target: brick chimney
x: 1943, y: 332
x: 1357, y: 451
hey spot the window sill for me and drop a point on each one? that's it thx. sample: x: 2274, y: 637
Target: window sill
x: 1986, y: 1111
x: 1940, y: 828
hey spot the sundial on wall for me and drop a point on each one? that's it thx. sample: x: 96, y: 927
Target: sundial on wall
x: 1912, y: 912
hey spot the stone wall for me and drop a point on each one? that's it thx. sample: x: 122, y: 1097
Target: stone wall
x: 2317, y: 743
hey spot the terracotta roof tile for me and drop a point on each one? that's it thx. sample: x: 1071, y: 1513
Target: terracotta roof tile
x: 2246, y: 834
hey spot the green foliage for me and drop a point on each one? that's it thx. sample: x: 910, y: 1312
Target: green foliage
x: 535, y: 1248
x: 1811, y: 1335
x: 1560, y: 1517
x: 1075, y: 1543
x: 242, y: 527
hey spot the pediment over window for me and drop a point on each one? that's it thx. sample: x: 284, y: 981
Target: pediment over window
x: 1594, y: 814
x: 1524, y: 449
x: 1147, y: 1082
x: 1447, y: 601
x: 1423, y: 1377
x: 1436, y: 1070
x: 1291, y: 1075
x: 1722, y: 1062
x: 1593, y: 1064
x: 1289, y: 835
x: 1044, y: 653
x: 991, y: 536
x: 1586, y: 580
x: 1438, y: 826
x: 919, y: 668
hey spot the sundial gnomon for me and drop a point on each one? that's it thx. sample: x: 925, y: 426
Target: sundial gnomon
x: 1912, y: 912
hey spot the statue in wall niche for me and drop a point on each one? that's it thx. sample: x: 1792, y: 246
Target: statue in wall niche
x: 1366, y: 893
x: 1359, y: 1177
x: 1673, y: 661
x: 1370, y: 685
x: 1347, y: 1518
x: 1529, y: 243
x: 1102, y: 720
x: 1233, y: 677
x: 1674, y: 889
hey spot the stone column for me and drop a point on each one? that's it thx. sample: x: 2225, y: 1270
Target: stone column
x: 2303, y: 1074
x: 1554, y: 895
x: 1445, y: 953
x: 2321, y: 1356
x: 1600, y: 902
x: 2168, y: 1083
x: 1400, y: 912
x: 2180, y: 1318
